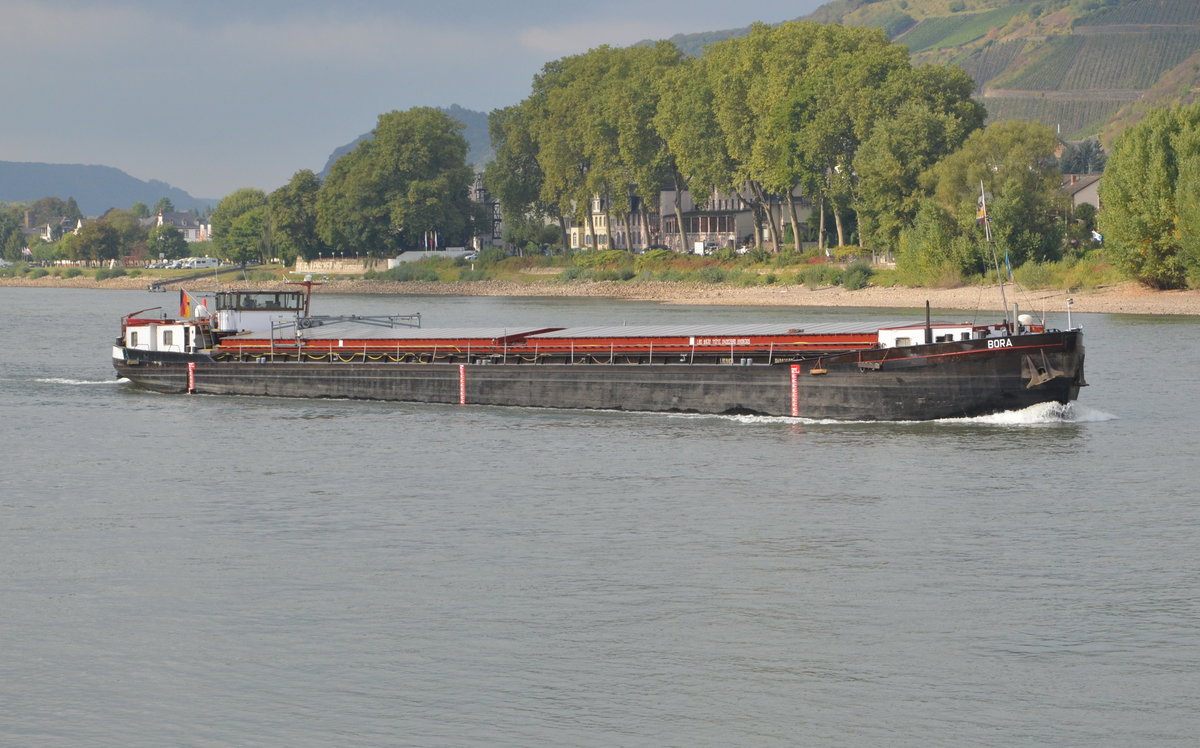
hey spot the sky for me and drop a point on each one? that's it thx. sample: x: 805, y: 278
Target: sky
x: 214, y: 95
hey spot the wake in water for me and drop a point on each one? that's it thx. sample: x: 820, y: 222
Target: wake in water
x: 79, y: 382
x: 1043, y: 414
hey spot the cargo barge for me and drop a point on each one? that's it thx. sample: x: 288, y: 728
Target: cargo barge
x: 268, y: 344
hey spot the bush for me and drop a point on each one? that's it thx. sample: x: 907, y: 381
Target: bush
x: 408, y: 271
x: 602, y: 258
x: 785, y: 258
x: 762, y: 255
x: 1035, y: 275
x: 823, y: 274
x: 655, y: 258
x: 470, y: 274
x: 712, y: 274
x: 491, y: 255
x: 38, y: 273
x: 857, y: 276
x: 106, y: 273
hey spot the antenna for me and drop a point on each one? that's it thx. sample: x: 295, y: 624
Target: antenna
x: 987, y: 232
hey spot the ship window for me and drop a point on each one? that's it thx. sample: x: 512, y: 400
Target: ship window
x: 966, y: 336
x: 133, y: 339
x: 168, y: 337
x: 903, y: 341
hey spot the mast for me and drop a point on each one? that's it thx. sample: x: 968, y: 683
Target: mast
x: 308, y: 284
x: 987, y: 232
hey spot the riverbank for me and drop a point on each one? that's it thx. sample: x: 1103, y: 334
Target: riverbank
x: 1124, y: 298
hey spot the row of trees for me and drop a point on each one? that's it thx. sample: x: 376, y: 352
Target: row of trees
x: 408, y: 181
x: 894, y: 155
x: 833, y: 113
x: 116, y: 235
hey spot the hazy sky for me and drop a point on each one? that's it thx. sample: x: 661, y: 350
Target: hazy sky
x: 214, y: 95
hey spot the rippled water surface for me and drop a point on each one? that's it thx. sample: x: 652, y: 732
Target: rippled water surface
x: 240, y: 571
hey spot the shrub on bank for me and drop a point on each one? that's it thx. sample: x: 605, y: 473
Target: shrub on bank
x: 407, y: 271
x: 106, y: 273
x: 856, y: 276
x: 1070, y: 272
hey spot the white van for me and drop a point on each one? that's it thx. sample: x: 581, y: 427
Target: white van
x: 201, y: 262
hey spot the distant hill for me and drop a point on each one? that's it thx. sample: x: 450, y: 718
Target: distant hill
x: 475, y: 130
x: 95, y: 188
x: 1086, y: 68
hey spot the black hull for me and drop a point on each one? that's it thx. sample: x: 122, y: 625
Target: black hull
x: 959, y: 379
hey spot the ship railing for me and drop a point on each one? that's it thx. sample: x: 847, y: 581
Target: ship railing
x: 380, y: 320
x: 284, y: 348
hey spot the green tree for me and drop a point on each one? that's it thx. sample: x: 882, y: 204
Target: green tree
x: 1015, y: 165
x: 239, y: 226
x: 930, y: 116
x: 1150, y: 190
x: 409, y: 179
x: 1085, y: 157
x: 130, y: 230
x: 933, y: 252
x: 52, y: 208
x: 96, y: 242
x: 293, y: 217
x: 629, y: 100
x: 514, y: 177
x: 560, y: 111
x: 167, y: 241
x: 10, y: 228
x: 164, y: 205
x: 685, y: 120
x: 141, y: 210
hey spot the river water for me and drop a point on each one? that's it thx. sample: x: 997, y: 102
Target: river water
x: 213, y: 571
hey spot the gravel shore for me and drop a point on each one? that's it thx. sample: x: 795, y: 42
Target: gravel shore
x: 1125, y: 298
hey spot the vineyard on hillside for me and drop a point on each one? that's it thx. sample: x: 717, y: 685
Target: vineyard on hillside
x: 1074, y: 118
x: 956, y: 30
x: 1146, y: 12
x: 993, y: 60
x: 1130, y: 61
x: 1109, y: 62
x: 1051, y: 70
